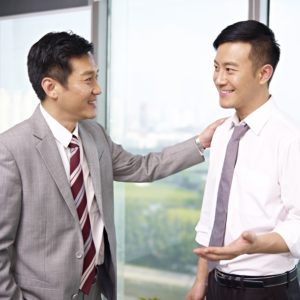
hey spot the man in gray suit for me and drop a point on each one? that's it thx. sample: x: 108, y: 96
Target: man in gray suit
x: 57, y: 234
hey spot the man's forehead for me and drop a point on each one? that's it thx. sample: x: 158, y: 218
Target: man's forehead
x: 233, y: 52
x: 83, y: 65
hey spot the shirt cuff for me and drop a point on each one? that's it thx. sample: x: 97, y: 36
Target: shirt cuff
x: 199, y: 145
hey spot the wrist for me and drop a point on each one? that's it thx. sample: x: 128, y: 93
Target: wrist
x: 203, y: 282
x: 202, y: 277
x: 199, y: 145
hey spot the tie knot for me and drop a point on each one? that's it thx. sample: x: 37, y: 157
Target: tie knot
x: 74, y: 142
x: 239, y: 131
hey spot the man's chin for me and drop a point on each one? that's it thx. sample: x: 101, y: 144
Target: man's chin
x: 92, y: 116
x: 89, y: 116
x: 224, y: 104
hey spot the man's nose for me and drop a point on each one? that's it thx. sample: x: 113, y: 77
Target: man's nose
x: 220, y: 78
x: 97, y: 89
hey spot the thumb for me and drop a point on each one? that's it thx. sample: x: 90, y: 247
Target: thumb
x: 249, y: 236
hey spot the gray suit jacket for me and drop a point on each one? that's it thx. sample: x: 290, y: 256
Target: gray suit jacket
x: 40, y: 236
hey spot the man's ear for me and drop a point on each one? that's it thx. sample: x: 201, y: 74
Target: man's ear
x: 50, y: 87
x: 265, y: 73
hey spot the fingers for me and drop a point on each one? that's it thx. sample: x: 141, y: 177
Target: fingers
x: 210, y: 250
x: 211, y: 253
x: 213, y: 126
x: 207, y: 134
x: 219, y: 122
x: 215, y: 253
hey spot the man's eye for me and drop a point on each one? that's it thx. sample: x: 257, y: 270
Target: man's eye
x: 230, y: 70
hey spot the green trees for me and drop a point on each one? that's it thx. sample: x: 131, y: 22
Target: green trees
x: 160, y: 221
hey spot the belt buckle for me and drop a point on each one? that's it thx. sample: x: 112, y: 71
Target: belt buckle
x: 233, y: 282
x: 228, y: 280
x: 257, y: 283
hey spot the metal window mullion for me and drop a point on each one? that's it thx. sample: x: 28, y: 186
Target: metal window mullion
x: 100, y: 39
x: 259, y: 10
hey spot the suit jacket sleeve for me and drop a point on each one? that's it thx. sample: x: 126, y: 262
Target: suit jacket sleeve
x: 10, y: 207
x: 153, y: 166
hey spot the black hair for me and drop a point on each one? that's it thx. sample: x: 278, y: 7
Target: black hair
x: 50, y: 56
x: 264, y: 47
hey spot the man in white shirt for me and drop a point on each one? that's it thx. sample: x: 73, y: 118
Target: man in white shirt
x: 260, y: 239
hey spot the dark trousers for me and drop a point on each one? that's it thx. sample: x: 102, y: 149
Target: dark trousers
x: 94, y: 293
x: 283, y: 292
x: 101, y: 286
x: 104, y: 285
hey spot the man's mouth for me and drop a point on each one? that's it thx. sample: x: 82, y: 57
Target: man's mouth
x: 225, y: 92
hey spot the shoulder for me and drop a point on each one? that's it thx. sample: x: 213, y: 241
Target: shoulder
x: 92, y: 126
x: 94, y: 129
x: 222, y: 130
x: 284, y: 126
x: 17, y: 133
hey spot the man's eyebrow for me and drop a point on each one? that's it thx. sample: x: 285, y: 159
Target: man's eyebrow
x: 229, y: 63
x: 89, y: 72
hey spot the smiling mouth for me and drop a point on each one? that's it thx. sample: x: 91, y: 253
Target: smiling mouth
x: 225, y: 92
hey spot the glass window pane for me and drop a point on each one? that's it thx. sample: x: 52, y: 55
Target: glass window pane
x: 286, y: 31
x: 17, y: 34
x: 161, y: 92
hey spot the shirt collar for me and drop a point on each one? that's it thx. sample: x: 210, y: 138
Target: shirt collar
x: 257, y: 119
x: 60, y: 133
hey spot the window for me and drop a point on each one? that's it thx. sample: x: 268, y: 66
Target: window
x: 161, y: 92
x: 17, y: 34
x: 285, y: 79
x: 286, y: 76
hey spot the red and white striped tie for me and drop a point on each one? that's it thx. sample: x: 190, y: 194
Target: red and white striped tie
x: 78, y: 191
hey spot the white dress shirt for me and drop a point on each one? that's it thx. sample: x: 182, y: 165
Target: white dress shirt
x: 63, y: 138
x: 265, y: 190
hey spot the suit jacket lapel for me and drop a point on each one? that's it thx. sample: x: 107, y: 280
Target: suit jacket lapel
x: 46, y: 146
x: 93, y: 159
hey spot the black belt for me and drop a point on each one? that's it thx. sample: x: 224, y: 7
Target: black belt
x: 239, y: 281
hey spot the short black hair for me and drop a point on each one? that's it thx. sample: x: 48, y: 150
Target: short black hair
x: 264, y: 47
x: 50, y: 56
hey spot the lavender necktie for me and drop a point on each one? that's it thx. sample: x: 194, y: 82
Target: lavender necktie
x: 218, y: 231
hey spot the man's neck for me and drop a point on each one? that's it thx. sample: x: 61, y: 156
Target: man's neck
x: 59, y: 116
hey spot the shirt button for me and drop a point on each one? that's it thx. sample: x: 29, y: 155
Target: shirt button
x: 79, y: 254
x: 74, y: 296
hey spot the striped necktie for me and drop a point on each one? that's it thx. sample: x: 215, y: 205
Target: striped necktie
x: 79, y: 195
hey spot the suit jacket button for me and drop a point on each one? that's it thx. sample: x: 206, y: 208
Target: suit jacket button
x: 79, y: 255
x: 74, y: 296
